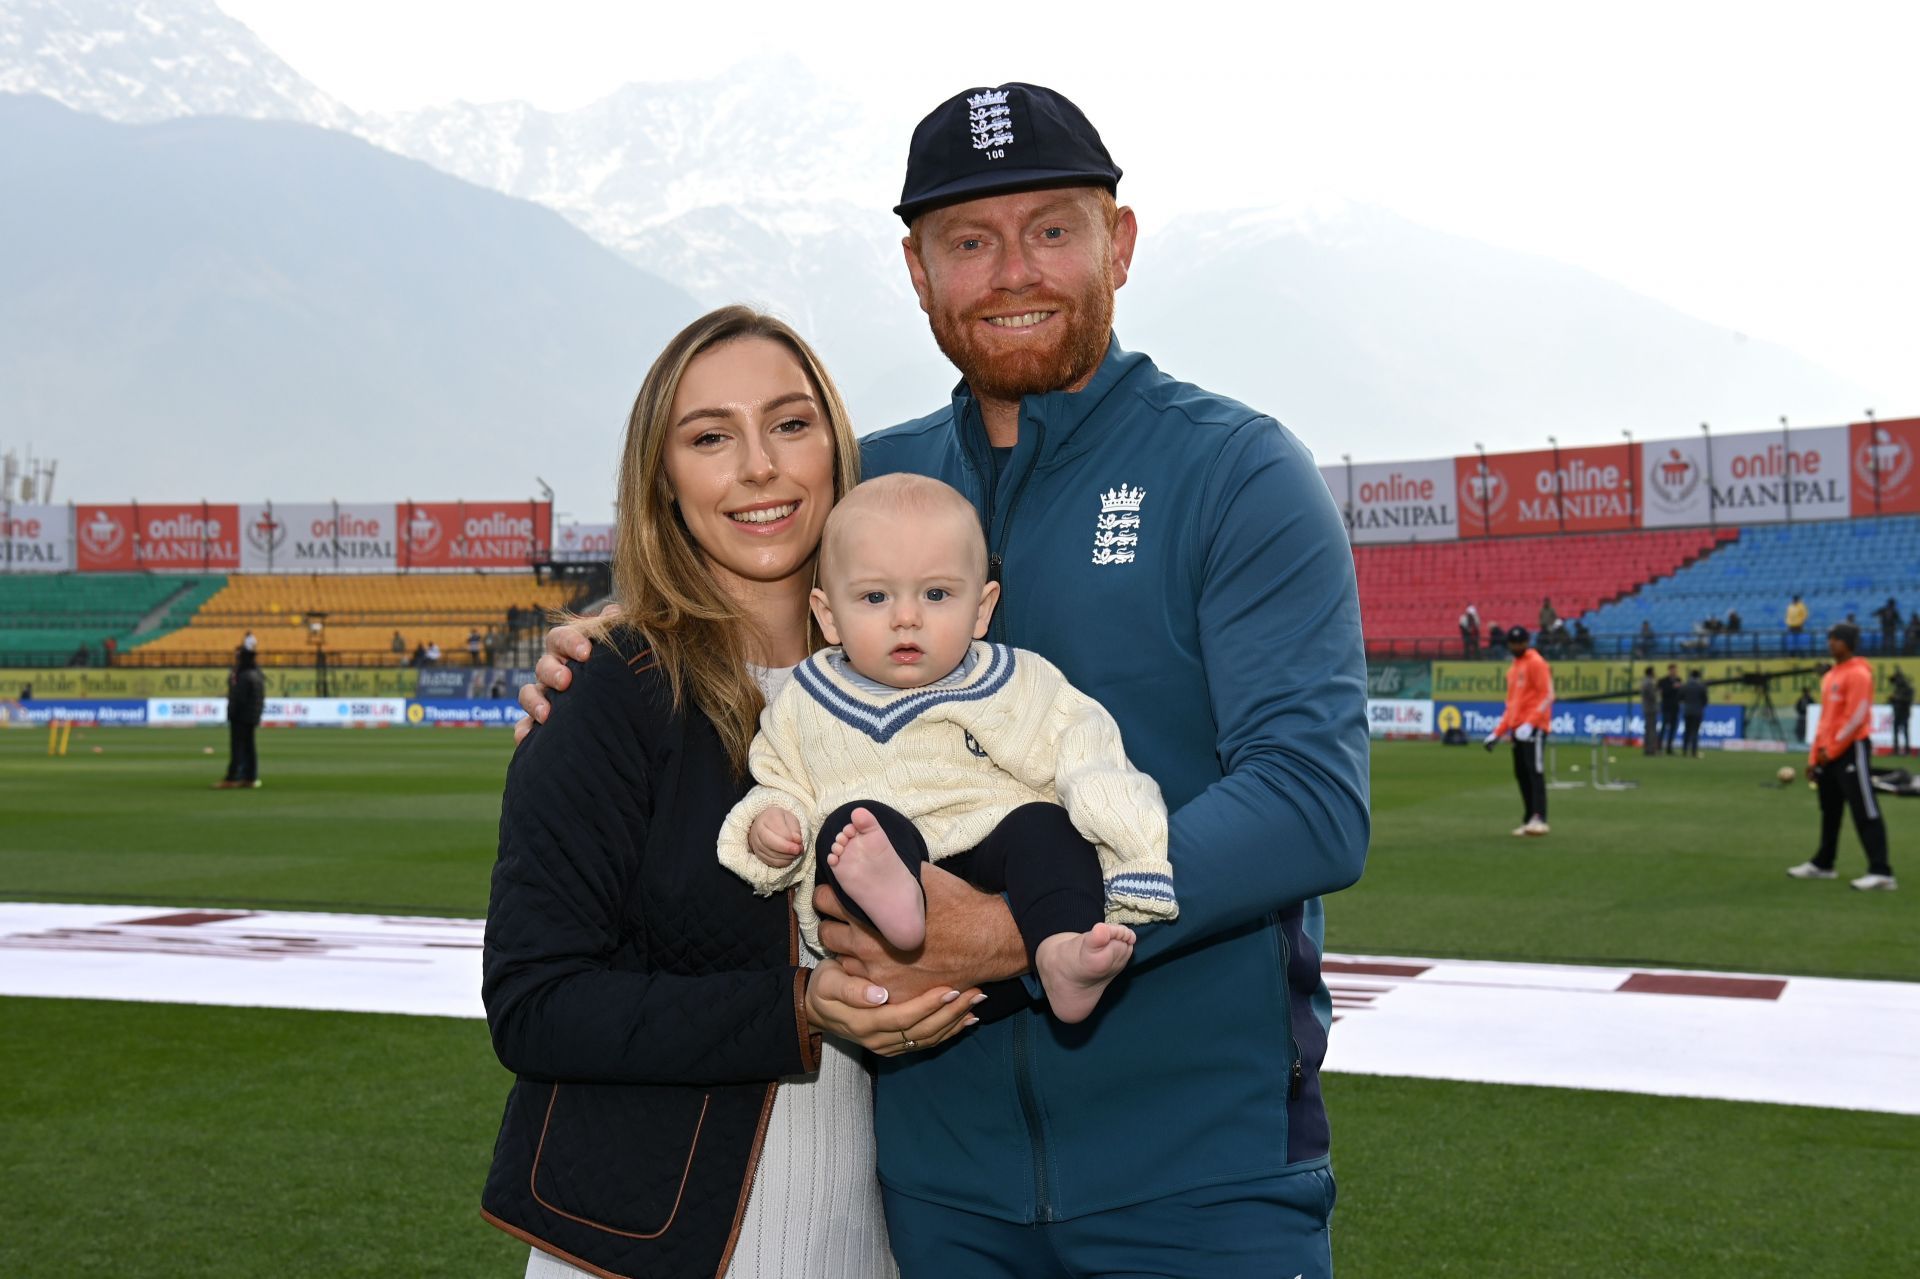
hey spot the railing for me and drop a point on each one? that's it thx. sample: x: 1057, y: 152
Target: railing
x: 1634, y: 646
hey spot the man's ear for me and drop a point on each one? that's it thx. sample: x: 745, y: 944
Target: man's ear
x: 1125, y: 232
x: 823, y: 614
x: 917, y: 272
x: 988, y: 599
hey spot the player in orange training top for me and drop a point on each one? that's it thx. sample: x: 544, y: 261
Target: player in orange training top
x: 1841, y: 765
x: 1528, y: 717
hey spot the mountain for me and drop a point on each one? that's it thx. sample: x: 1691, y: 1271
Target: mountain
x: 222, y: 308
x: 144, y: 60
x: 1361, y: 330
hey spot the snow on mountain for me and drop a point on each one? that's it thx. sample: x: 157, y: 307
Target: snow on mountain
x: 143, y: 60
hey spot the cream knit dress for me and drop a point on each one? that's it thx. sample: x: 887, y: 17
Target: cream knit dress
x: 814, y: 1211
x: 954, y: 758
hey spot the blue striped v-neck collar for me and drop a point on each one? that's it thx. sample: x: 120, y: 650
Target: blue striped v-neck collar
x: 880, y: 715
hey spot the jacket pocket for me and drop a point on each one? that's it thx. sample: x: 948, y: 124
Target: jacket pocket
x: 617, y: 1157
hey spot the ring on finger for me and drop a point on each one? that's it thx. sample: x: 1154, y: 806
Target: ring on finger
x: 908, y: 1042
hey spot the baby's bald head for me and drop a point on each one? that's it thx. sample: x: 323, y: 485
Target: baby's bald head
x: 911, y: 500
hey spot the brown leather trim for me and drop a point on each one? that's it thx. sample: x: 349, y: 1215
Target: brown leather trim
x: 810, y: 1039
x: 644, y: 655
x: 579, y: 1263
x: 746, y: 1188
x: 533, y: 1177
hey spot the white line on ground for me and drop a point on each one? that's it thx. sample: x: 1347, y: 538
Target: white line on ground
x: 1741, y: 1037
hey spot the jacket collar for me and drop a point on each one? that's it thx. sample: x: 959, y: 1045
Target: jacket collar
x: 1058, y: 414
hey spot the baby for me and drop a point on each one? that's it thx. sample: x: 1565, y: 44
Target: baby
x: 989, y: 761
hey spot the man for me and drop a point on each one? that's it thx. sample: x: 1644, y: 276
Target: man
x: 1528, y: 716
x: 1796, y: 615
x: 1178, y: 557
x: 1649, y: 714
x: 1840, y: 762
x: 1470, y: 633
x: 1889, y: 615
x: 1643, y: 642
x: 1902, y: 700
x: 1693, y: 705
x: 246, y: 700
x: 1669, y: 706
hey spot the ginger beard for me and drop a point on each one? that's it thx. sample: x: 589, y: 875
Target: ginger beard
x: 1084, y: 322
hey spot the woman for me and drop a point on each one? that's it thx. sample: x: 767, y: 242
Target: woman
x: 676, y: 1111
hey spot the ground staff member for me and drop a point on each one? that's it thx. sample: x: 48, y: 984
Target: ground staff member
x: 1840, y: 763
x: 1528, y: 716
x: 1147, y: 536
x: 1693, y: 701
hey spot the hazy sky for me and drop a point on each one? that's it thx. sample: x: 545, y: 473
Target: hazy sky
x: 1751, y: 163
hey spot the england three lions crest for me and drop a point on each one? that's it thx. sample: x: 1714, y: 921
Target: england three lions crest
x: 1116, y: 534
x: 990, y: 122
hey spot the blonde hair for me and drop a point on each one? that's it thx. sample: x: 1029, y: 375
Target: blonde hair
x: 901, y: 496
x: 701, y: 639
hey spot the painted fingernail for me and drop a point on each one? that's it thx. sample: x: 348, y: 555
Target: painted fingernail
x: 976, y: 999
x: 950, y: 996
x: 876, y: 994
x: 971, y: 1021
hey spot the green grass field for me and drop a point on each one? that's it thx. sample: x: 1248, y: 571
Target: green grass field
x: 174, y: 1140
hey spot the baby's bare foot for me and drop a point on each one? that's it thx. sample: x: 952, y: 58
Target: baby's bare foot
x: 872, y: 874
x: 1076, y: 967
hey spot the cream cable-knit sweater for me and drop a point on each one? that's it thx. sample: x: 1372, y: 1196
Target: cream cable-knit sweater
x: 955, y: 760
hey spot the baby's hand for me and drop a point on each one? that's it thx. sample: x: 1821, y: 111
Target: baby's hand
x: 774, y: 837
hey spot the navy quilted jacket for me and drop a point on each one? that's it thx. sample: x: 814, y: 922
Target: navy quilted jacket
x: 645, y: 998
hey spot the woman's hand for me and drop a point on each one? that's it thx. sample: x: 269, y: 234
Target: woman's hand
x: 856, y: 1010
x: 551, y: 672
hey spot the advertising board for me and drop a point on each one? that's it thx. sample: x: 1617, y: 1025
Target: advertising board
x: 1575, y: 720
x: 1885, y: 479
x: 103, y: 714
x: 465, y: 712
x: 1396, y: 501
x: 1576, y: 490
x: 35, y: 538
x: 317, y: 537
x: 472, y: 534
x: 157, y: 537
x: 1395, y: 717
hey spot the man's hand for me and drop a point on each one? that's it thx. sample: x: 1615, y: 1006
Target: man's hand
x: 854, y: 1009
x: 1820, y: 756
x: 1491, y: 738
x: 774, y: 837
x: 1524, y: 733
x: 551, y: 672
x: 971, y: 940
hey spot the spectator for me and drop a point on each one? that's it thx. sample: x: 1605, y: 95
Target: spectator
x: 80, y: 657
x: 108, y: 648
x: 419, y: 657
x: 1496, y: 639
x: 1547, y: 616
x: 1733, y: 620
x: 433, y: 653
x: 1796, y: 615
x: 1582, y: 639
x: 1643, y: 644
x: 249, y: 643
x: 1912, y: 644
x: 1889, y: 615
x: 473, y: 647
x: 398, y: 644
x: 1470, y: 633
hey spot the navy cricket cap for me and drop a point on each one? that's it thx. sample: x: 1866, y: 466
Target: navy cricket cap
x: 1517, y: 635
x: 1017, y: 137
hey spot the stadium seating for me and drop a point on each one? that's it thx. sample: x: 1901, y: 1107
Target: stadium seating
x: 46, y: 617
x: 363, y: 611
x: 1838, y: 567
x: 1416, y: 591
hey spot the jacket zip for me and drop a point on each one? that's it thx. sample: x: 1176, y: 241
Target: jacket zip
x: 996, y: 553
x: 1023, y: 1063
x: 1030, y: 1109
x: 1296, y: 1070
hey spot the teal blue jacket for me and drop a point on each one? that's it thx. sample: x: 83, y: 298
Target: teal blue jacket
x: 1177, y: 555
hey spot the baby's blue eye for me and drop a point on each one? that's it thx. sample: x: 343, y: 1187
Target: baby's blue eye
x: 936, y: 594
x: 875, y: 597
